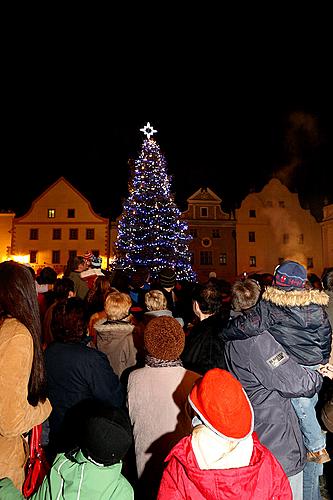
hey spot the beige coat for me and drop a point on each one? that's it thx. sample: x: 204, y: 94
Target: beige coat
x: 17, y: 416
x: 160, y: 415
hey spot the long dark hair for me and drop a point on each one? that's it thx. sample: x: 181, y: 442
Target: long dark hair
x: 18, y: 299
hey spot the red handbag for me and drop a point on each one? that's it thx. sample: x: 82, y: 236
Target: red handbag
x: 37, y: 465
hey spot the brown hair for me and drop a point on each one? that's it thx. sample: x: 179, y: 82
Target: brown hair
x: 245, y: 294
x: 69, y: 320
x: 18, y: 299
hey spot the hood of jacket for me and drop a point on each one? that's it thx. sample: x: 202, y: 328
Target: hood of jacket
x: 295, y: 298
x: 75, y: 474
x: 209, y: 482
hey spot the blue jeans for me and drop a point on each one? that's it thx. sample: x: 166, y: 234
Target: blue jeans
x: 313, y: 436
x: 311, y: 488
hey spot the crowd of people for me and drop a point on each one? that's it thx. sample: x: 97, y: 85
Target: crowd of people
x: 161, y: 389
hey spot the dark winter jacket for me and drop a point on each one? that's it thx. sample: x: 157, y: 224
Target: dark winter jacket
x: 77, y: 373
x: 297, y: 320
x: 203, y: 347
x: 262, y: 479
x: 271, y: 377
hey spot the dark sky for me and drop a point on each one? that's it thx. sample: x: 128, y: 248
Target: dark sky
x: 228, y: 124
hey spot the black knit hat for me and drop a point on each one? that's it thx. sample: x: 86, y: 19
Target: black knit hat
x: 167, y: 277
x: 106, y: 435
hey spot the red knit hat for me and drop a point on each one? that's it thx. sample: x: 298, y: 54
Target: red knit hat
x: 222, y: 404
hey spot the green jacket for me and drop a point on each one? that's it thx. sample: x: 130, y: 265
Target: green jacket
x: 76, y: 477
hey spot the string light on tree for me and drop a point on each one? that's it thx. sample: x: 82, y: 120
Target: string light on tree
x: 151, y: 232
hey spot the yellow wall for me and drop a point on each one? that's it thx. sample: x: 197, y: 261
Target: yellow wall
x: 6, y: 220
x: 270, y: 225
x: 327, y: 236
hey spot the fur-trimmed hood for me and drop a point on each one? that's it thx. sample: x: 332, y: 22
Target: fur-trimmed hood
x: 295, y: 298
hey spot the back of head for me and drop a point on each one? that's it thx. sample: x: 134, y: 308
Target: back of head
x: 221, y: 403
x: 47, y: 276
x: 167, y: 277
x: 105, y: 434
x: 245, y: 294
x: 155, y: 300
x: 290, y: 275
x: 117, y: 306
x: 62, y: 288
x: 327, y: 279
x: 208, y: 296
x: 164, y: 338
x: 69, y: 320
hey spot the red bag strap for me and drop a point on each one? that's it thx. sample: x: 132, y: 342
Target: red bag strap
x: 35, y: 439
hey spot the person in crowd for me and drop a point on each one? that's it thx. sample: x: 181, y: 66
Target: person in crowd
x: 114, y: 335
x: 222, y: 457
x: 156, y: 305
x: 272, y: 377
x: 157, y: 401
x: 47, y: 277
x: 167, y: 283
x: 63, y: 290
x: 203, y: 347
x: 138, y: 286
x: 93, y: 469
x: 75, y: 372
x: 93, y: 271
x: 75, y: 266
x: 23, y: 402
x: 327, y: 281
x: 296, y: 317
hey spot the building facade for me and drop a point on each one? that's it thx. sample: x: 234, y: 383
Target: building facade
x: 60, y: 223
x: 327, y: 236
x: 213, y: 247
x: 6, y: 226
x: 272, y: 226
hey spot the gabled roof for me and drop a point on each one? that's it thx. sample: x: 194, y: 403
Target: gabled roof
x: 205, y: 195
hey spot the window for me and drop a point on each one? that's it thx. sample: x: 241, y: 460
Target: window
x: 223, y: 259
x: 282, y: 204
x: 71, y: 213
x: 252, y: 213
x: 216, y: 233
x: 72, y: 254
x: 252, y: 236
x: 90, y: 234
x: 73, y: 234
x: 34, y: 234
x: 253, y: 261
x: 203, y: 212
x: 206, y: 242
x: 194, y: 233
x: 301, y: 239
x: 33, y: 256
x: 285, y: 238
x: 51, y: 213
x: 206, y: 258
x: 56, y: 234
x: 310, y: 262
x: 55, y: 256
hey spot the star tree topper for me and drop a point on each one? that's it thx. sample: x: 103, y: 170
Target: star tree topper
x: 148, y: 130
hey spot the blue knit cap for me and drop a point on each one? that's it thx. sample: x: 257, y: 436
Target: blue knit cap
x: 290, y: 275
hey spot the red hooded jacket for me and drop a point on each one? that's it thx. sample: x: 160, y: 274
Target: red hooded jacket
x: 262, y: 479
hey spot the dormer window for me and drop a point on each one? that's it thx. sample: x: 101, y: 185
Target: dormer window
x: 51, y: 213
x: 203, y: 212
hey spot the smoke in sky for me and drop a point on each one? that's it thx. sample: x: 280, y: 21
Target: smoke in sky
x: 301, y: 139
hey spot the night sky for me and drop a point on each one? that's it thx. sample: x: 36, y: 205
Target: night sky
x: 226, y: 126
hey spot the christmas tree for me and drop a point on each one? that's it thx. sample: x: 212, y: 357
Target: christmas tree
x: 151, y: 232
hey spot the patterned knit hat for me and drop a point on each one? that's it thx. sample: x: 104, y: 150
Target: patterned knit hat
x: 96, y: 262
x: 88, y: 256
x: 222, y: 404
x: 164, y: 338
x: 167, y: 277
x: 290, y: 275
